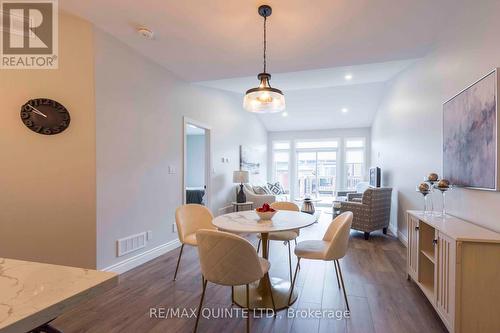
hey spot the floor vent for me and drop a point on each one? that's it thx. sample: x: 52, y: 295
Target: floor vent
x: 131, y: 244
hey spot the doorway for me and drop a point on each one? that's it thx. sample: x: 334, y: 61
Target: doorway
x: 317, y: 171
x: 197, y: 163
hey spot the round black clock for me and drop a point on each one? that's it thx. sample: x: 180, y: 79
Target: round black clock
x: 45, y: 116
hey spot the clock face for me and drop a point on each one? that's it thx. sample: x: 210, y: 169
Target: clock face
x: 45, y: 116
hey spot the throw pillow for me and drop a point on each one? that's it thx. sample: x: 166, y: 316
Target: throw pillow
x: 259, y: 190
x: 275, y: 188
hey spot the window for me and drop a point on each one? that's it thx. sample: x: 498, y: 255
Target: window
x: 354, y: 162
x: 316, y: 144
x: 284, y: 145
x: 316, y: 173
x: 281, y: 163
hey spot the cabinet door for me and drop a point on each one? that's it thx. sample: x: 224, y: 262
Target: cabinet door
x: 412, y: 259
x: 445, y: 277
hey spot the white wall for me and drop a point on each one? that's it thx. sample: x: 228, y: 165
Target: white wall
x: 406, y: 134
x: 195, y: 160
x: 340, y: 133
x: 139, y: 109
x: 47, y: 196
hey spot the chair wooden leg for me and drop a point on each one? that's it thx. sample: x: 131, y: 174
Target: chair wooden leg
x: 201, y: 304
x: 293, y: 281
x: 367, y: 235
x: 271, y: 292
x: 384, y: 231
x: 290, y: 260
x: 258, y: 245
x: 178, y: 262
x: 295, y: 240
x: 336, y: 272
x: 343, y: 286
x: 248, y: 308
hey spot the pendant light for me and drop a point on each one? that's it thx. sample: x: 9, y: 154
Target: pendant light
x: 264, y: 98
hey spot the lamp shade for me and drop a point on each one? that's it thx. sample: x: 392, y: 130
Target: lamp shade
x: 264, y: 98
x: 240, y: 177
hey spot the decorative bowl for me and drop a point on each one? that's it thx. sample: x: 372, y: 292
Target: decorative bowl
x: 266, y: 215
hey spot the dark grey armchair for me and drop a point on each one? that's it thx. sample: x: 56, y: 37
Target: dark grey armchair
x: 373, y: 212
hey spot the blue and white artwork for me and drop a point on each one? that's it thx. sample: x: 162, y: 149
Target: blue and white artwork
x: 470, y: 136
x: 250, y: 159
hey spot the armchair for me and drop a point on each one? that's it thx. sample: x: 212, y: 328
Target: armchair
x: 361, y: 187
x: 372, y: 213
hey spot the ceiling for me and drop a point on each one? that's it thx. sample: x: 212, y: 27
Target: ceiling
x: 311, y: 47
x: 319, y: 78
x: 207, y: 40
x: 316, y: 99
x: 316, y: 109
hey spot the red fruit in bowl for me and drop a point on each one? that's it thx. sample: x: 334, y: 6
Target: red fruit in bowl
x: 266, y: 207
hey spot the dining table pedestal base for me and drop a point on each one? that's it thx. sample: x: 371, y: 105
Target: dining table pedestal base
x: 262, y: 293
x: 260, y: 298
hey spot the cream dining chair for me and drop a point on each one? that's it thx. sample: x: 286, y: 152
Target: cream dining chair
x: 189, y: 219
x: 284, y: 236
x: 229, y: 260
x: 332, y: 247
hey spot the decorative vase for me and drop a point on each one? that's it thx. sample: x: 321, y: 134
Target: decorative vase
x: 308, y: 207
x: 424, y: 189
x: 241, y: 197
x: 443, y: 185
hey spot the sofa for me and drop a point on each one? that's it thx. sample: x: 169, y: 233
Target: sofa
x: 260, y: 199
x: 372, y: 213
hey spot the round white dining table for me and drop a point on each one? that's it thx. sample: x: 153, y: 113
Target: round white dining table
x: 249, y: 222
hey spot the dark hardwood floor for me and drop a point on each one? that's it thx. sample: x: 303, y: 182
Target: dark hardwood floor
x: 380, y: 297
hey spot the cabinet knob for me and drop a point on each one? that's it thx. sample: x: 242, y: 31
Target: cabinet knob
x: 434, y: 242
x: 416, y: 228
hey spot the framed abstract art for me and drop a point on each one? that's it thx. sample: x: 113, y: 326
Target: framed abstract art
x: 470, y: 135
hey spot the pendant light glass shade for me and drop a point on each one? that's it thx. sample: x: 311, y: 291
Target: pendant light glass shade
x: 264, y: 98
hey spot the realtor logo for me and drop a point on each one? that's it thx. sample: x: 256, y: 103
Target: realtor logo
x: 29, y: 37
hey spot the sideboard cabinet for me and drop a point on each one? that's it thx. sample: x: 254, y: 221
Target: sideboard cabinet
x: 456, y: 264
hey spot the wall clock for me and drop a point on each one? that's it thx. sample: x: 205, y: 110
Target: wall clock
x: 45, y: 116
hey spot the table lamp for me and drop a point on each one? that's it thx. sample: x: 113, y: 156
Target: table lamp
x: 240, y: 177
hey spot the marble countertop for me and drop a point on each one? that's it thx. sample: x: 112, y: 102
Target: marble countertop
x: 248, y: 221
x: 32, y: 293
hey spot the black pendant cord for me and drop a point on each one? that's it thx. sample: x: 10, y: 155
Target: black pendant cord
x: 265, y: 44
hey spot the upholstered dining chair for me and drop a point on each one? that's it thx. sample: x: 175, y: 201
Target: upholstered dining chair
x: 189, y: 219
x: 332, y: 247
x: 284, y: 236
x: 229, y: 260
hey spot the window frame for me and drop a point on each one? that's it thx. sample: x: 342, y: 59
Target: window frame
x: 344, y: 157
x: 273, y: 160
x: 337, y: 150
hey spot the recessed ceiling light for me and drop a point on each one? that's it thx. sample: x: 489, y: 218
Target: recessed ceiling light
x: 284, y: 114
x: 345, y: 110
x: 145, y: 32
x: 348, y: 77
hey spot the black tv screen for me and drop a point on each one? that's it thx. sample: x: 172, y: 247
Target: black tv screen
x: 375, y: 177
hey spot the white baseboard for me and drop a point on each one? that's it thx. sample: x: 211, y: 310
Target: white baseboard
x: 402, y: 237
x: 142, y: 258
